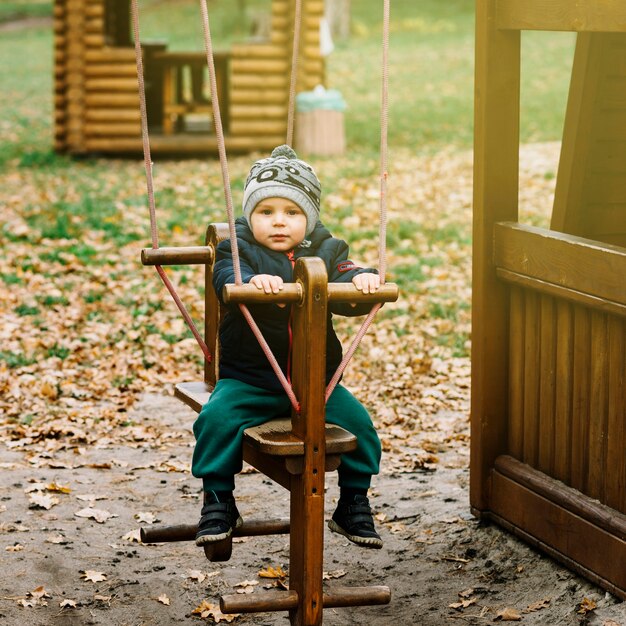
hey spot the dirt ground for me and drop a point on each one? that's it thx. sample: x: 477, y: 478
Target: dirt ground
x: 442, y: 565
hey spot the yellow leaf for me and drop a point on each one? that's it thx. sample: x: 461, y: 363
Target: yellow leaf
x: 508, y: 615
x: 273, y: 572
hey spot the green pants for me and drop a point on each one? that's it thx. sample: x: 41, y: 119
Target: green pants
x: 235, y: 406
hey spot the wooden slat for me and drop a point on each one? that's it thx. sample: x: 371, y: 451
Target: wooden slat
x: 516, y: 373
x: 194, y: 394
x: 113, y: 129
x: 546, y: 373
x: 260, y: 66
x: 114, y: 85
x: 532, y: 319
x: 257, y: 111
x: 258, y: 81
x: 258, y: 96
x: 258, y: 51
x: 565, y: 260
x: 597, y: 368
x: 111, y: 70
x: 615, y: 494
x: 114, y: 100
x: 566, y: 534
x: 605, y: 16
x: 248, y: 127
x: 563, y: 391
x: 112, y: 115
x: 110, y: 55
x: 580, y: 398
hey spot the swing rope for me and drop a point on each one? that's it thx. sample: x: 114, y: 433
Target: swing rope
x: 294, y: 71
x: 150, y: 184
x: 382, y: 233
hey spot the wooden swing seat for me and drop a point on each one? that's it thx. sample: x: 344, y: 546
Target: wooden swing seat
x: 295, y: 451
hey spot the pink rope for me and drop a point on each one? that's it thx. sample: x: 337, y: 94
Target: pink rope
x: 150, y: 184
x: 382, y: 237
x: 294, y: 71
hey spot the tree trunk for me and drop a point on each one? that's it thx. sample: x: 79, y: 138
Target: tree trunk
x: 338, y: 16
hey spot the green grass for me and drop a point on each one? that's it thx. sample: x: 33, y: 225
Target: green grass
x: 21, y: 9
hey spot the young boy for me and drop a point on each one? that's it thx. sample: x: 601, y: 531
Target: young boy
x: 281, y: 205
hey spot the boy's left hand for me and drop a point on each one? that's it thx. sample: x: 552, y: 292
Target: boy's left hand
x: 367, y: 282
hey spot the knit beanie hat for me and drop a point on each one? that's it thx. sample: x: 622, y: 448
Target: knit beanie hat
x: 284, y: 175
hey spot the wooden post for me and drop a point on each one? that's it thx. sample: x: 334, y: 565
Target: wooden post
x: 307, y: 489
x: 495, y: 199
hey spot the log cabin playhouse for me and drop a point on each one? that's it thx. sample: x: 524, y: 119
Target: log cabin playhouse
x: 96, y: 102
x: 548, y: 410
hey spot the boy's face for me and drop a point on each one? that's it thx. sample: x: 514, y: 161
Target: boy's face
x: 278, y: 224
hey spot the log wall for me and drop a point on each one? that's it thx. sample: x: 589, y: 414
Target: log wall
x: 96, y: 99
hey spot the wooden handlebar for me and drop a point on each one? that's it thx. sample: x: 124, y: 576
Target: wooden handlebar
x: 293, y: 292
x: 192, y: 255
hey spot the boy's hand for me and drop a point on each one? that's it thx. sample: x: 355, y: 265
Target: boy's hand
x: 367, y: 283
x: 267, y: 282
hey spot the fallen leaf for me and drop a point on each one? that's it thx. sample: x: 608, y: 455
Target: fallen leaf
x: 42, y: 501
x: 133, y: 536
x: 207, y: 609
x: 339, y: 573
x: 57, y: 539
x: 18, y: 547
x: 93, y: 576
x: 508, y: 615
x: 246, y: 586
x: 68, y: 603
x: 537, y: 606
x: 100, y: 515
x: 463, y: 604
x: 145, y: 517
x: 163, y: 599
x: 196, y: 574
x: 273, y: 572
x: 57, y: 488
x: 100, y: 598
x: 586, y: 606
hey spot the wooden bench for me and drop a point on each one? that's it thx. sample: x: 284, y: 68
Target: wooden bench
x: 295, y: 452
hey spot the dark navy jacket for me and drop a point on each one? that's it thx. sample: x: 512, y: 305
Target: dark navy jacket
x: 241, y: 356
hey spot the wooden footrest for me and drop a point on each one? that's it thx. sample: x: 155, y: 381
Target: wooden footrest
x: 287, y: 600
x: 187, y: 532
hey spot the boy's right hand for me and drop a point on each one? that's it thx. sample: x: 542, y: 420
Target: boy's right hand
x: 267, y: 282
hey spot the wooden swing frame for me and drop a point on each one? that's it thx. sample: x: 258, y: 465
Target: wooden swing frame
x: 296, y: 453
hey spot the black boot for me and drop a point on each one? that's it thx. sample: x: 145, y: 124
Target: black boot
x: 353, y: 519
x: 219, y: 516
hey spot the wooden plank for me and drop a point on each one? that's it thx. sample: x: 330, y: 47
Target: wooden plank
x: 258, y: 51
x: 532, y: 361
x: 560, y: 494
x: 580, y: 398
x: 607, y: 16
x: 113, y: 130
x: 565, y: 260
x: 260, y: 96
x: 516, y: 373
x: 113, y: 85
x: 563, y: 391
x: 258, y: 81
x: 257, y: 111
x: 562, y: 293
x: 257, y: 127
x: 110, y: 55
x: 598, y: 374
x: 112, y: 115
x: 111, y: 70
x: 547, y: 383
x: 496, y: 156
x: 615, y: 494
x: 577, y: 136
x: 259, y: 66
x: 114, y: 100
x: 568, y: 534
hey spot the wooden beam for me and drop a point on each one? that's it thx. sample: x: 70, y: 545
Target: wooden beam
x: 571, y: 262
x: 496, y: 154
x: 562, y: 15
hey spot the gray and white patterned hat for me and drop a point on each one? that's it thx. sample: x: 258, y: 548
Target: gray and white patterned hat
x: 284, y: 175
